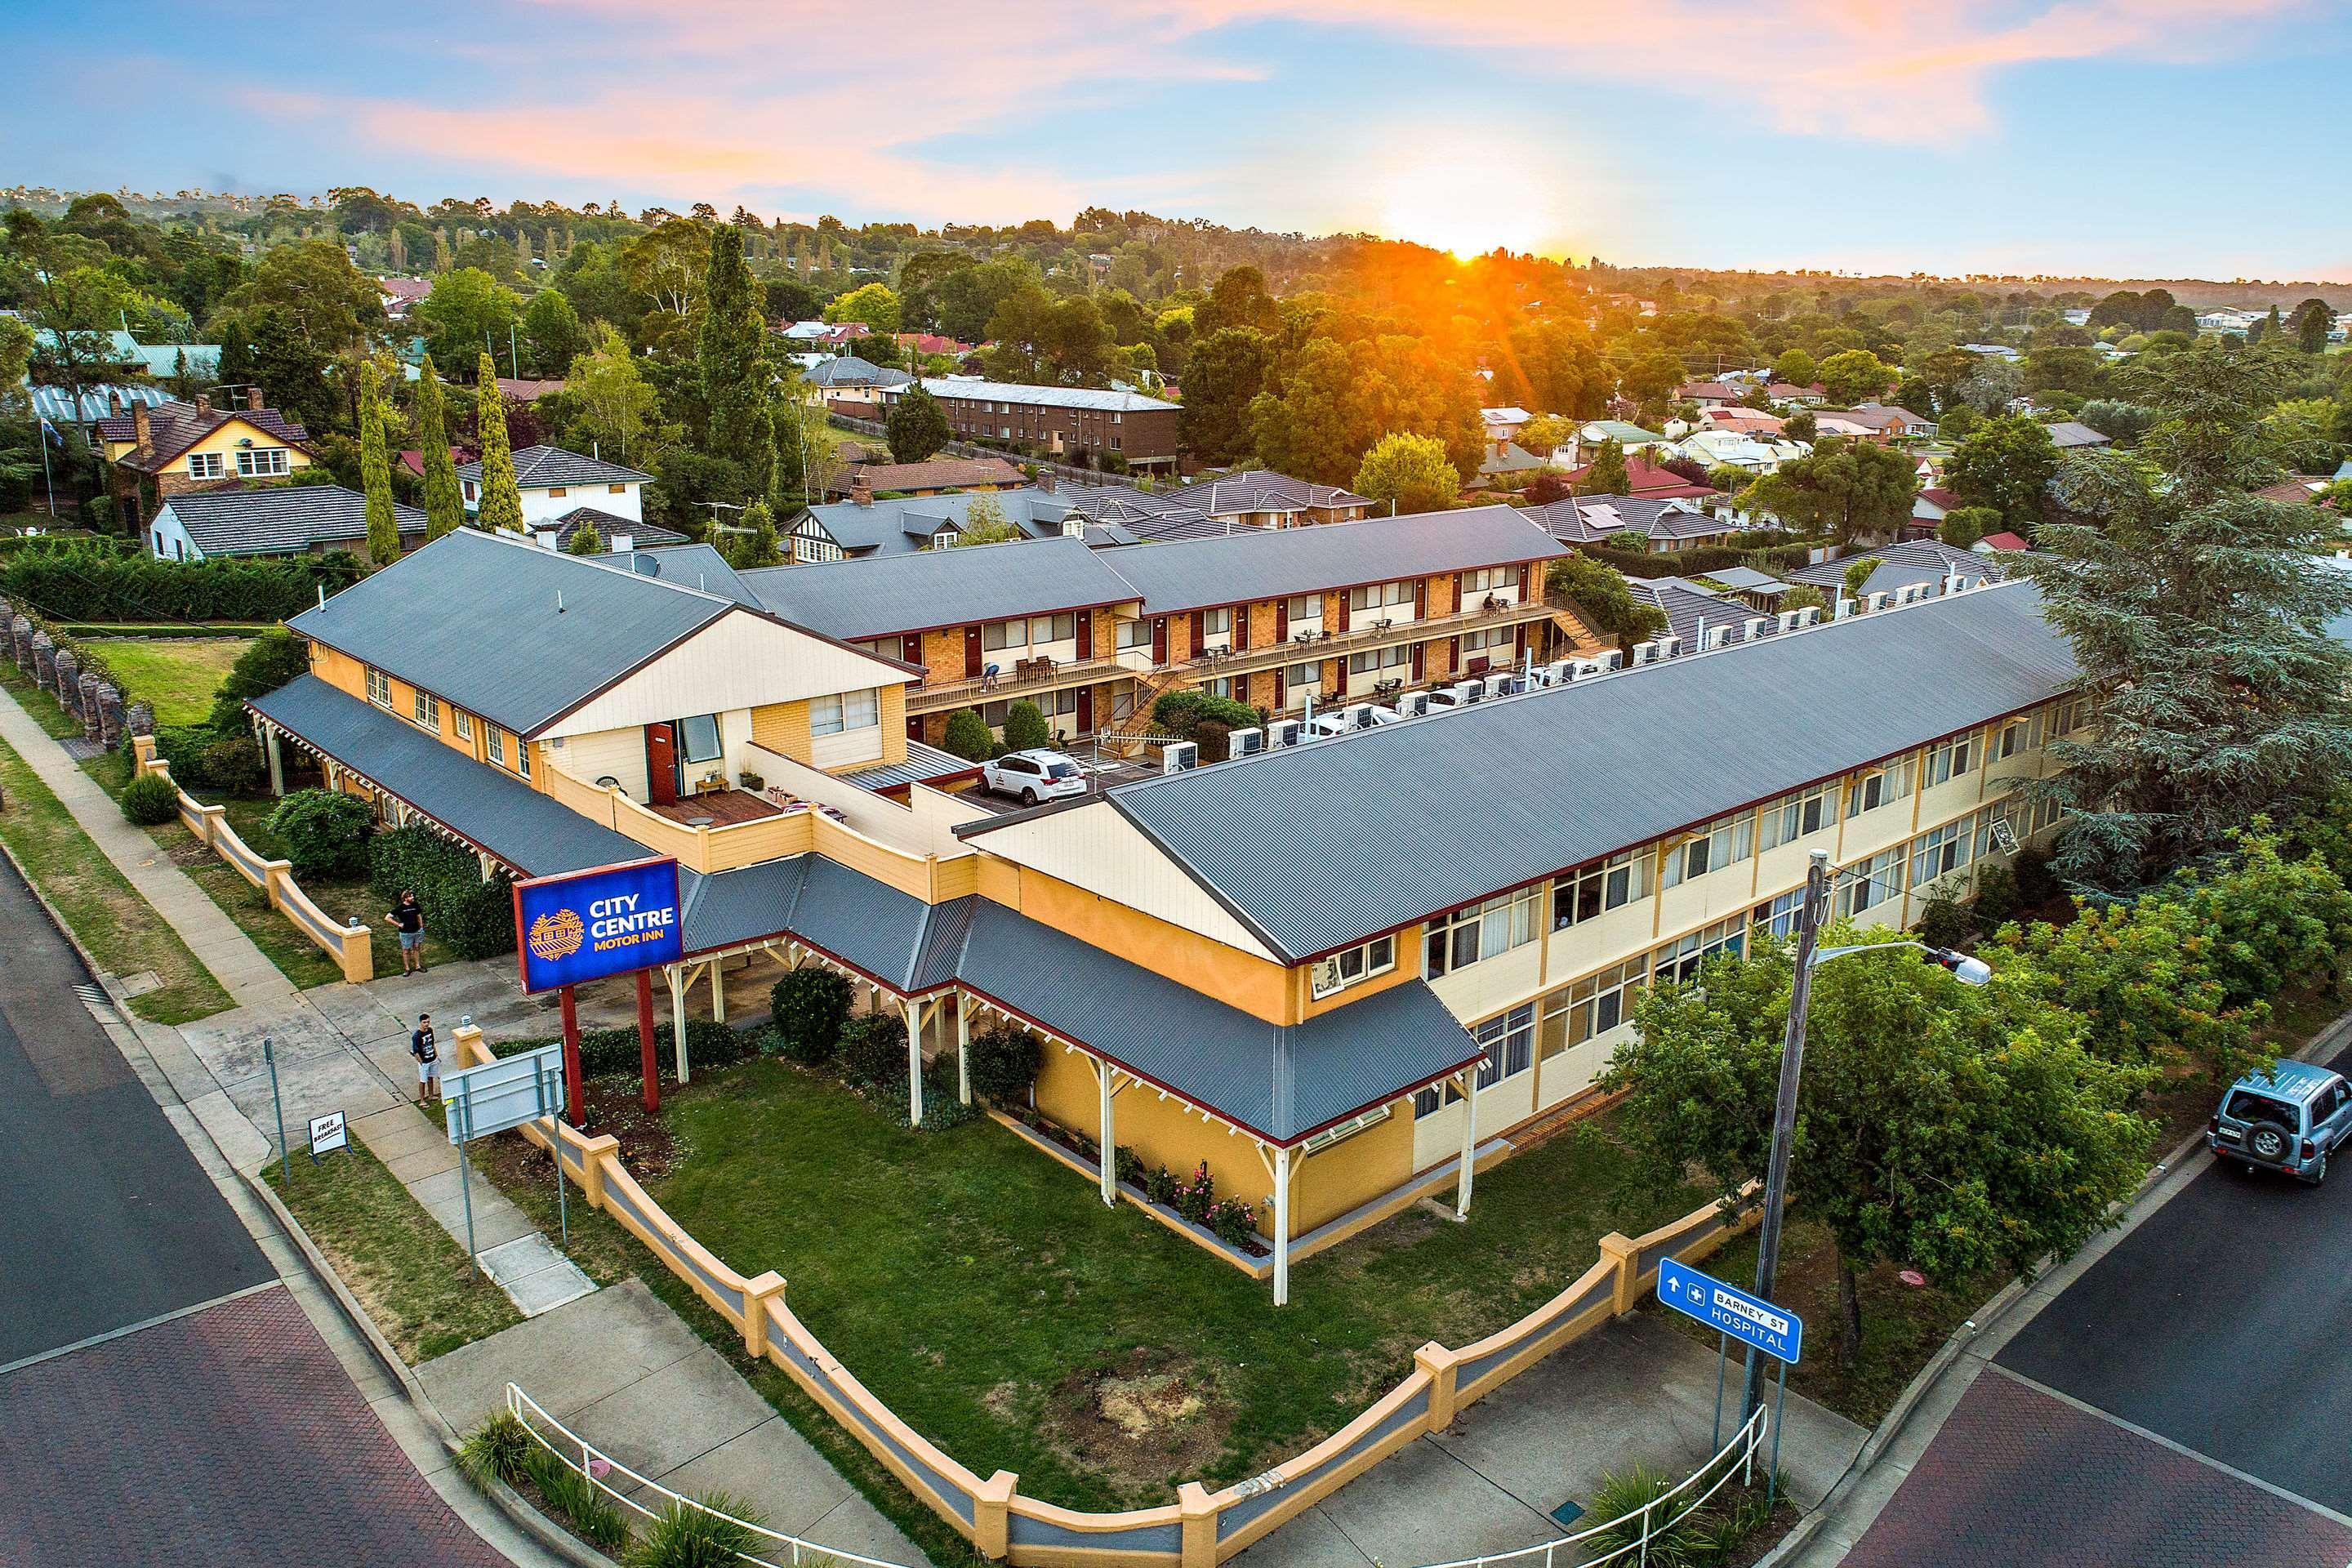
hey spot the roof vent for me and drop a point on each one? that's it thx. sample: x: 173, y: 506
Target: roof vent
x: 644, y: 565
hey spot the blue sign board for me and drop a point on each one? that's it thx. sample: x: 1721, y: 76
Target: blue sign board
x: 585, y: 925
x: 1776, y: 1331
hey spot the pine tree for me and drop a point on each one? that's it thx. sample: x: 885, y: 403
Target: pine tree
x: 1608, y: 477
x: 445, y: 507
x: 730, y: 356
x: 584, y: 540
x: 375, y: 470
x: 502, y: 504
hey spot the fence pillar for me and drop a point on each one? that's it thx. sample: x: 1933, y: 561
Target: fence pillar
x: 44, y: 662
x: 757, y: 1294
x: 1444, y: 1368
x: 91, y: 724
x: 991, y: 1506
x: 1198, y: 1511
x: 274, y: 877
x: 211, y: 831
x: 140, y: 720
x: 65, y: 684
x: 593, y: 1153
x: 20, y: 640
x: 110, y: 715
x: 1625, y: 1290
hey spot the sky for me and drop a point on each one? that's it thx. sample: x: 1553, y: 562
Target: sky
x: 2114, y: 138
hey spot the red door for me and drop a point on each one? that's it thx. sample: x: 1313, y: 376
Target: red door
x: 1520, y: 642
x: 1525, y: 570
x: 1086, y: 710
x: 1086, y: 634
x: 910, y: 647
x: 1421, y: 598
x: 661, y: 763
x: 1282, y: 620
x: 1159, y: 639
x: 1199, y: 631
x: 1281, y: 691
x: 1240, y: 625
x: 1420, y: 660
x: 1346, y: 612
x: 971, y: 655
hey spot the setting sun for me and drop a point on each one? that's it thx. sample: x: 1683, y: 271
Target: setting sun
x: 1466, y: 197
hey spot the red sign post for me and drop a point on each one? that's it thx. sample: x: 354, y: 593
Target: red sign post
x: 575, y: 1102
x: 646, y: 1041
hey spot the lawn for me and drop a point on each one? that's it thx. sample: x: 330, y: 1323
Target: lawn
x: 38, y: 702
x: 403, y: 1267
x: 983, y: 1292
x: 177, y: 676
x: 122, y: 931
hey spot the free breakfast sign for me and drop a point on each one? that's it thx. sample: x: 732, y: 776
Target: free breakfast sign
x: 585, y: 925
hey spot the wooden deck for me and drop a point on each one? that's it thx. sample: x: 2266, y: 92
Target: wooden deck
x: 718, y: 808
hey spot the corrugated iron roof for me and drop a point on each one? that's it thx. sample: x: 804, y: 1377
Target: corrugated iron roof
x: 279, y: 519
x: 890, y: 595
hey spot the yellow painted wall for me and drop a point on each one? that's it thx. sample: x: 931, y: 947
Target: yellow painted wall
x: 1256, y: 986
x: 1407, y: 969
x: 893, y: 725
x: 783, y: 728
x: 1355, y: 1170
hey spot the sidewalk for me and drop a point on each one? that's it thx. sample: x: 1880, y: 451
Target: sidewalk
x: 243, y: 969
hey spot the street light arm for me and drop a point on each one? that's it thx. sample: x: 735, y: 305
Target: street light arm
x: 1968, y: 971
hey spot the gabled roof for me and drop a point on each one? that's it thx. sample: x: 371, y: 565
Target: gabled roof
x: 174, y: 426
x: 904, y: 526
x: 2070, y: 433
x: 278, y: 519
x: 1591, y: 520
x: 506, y: 628
x: 1509, y: 458
x: 1202, y: 573
x: 892, y: 596
x: 1690, y: 610
x: 1649, y: 482
x: 540, y: 467
x: 2004, y: 541
x: 848, y: 370
x: 934, y: 474
x: 609, y: 526
x: 1262, y: 490
x: 1912, y: 561
x: 1320, y: 847
x: 689, y: 564
x: 972, y: 387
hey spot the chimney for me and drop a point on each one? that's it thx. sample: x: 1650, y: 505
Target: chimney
x: 1046, y: 479
x: 141, y: 433
x: 114, y: 403
x: 860, y: 491
x: 203, y: 403
x: 253, y: 398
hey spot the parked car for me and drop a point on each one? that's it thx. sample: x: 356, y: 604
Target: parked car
x: 2287, y: 1119
x: 1034, y: 775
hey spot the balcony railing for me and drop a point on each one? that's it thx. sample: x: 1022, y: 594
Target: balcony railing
x: 1008, y: 682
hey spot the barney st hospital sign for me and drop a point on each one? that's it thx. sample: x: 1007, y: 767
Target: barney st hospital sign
x: 585, y: 925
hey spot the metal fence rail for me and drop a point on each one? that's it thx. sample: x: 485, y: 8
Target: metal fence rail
x: 595, y: 1467
x: 1737, y: 1457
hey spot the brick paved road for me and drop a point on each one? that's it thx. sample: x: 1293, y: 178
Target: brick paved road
x: 2016, y: 1476
x: 230, y: 1435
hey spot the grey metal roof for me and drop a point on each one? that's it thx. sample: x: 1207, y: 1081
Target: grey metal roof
x: 57, y: 405
x: 848, y: 370
x: 904, y: 526
x: 531, y: 832
x: 1744, y: 578
x: 610, y: 526
x: 1324, y: 844
x: 505, y: 628
x: 538, y: 468
x: 1901, y: 564
x: 1263, y: 489
x: 1267, y: 563
x: 2066, y: 434
x: 689, y: 564
x: 1590, y: 519
x: 889, y: 595
x: 924, y: 765
x: 1691, y: 611
x: 967, y: 387
x: 279, y: 519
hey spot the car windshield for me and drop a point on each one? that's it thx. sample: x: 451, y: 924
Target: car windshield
x: 1062, y: 770
x: 2245, y: 1105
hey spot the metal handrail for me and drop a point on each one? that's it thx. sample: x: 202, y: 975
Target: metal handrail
x: 1740, y: 1451
x: 594, y: 1464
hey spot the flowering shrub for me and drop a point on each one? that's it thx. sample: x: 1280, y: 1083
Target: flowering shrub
x: 1235, y: 1222
x: 1160, y: 1186
x: 1128, y: 1165
x: 1194, y: 1198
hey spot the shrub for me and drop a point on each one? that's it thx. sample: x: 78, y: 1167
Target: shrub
x: 2037, y: 884
x: 1234, y: 1222
x: 1128, y: 1165
x: 89, y: 584
x: 575, y: 1497
x: 967, y: 736
x: 874, y: 1051
x: 1945, y: 921
x: 1025, y: 727
x: 1624, y: 1493
x: 2274, y: 921
x: 809, y: 1008
x: 182, y: 747
x: 1995, y: 893
x: 475, y: 917
x: 1197, y: 1196
x: 1215, y: 740
x: 325, y: 834
x: 943, y: 1107
x: 1180, y: 713
x: 1160, y: 1186
x: 499, y: 1449
x: 618, y: 1052
x: 234, y: 764
x: 713, y: 1535
x: 151, y: 800
x: 1005, y: 1065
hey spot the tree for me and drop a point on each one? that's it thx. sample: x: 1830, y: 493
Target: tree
x: 1858, y: 573
x: 2200, y: 626
x: 2310, y: 324
x: 1603, y: 600
x: 756, y: 545
x: 1563, y: 368
x: 552, y: 332
x: 730, y: 356
x: 984, y: 522
x: 1227, y: 371
x: 584, y: 540
x: 1650, y: 381
x: 268, y: 662
x: 872, y: 304
x: 375, y: 470
x: 916, y: 426
x: 2118, y: 421
x: 1796, y: 367
x: 468, y: 312
x: 332, y: 305
x: 1805, y: 596
x: 1990, y: 386
x: 1801, y: 426
x: 500, y: 506
x: 445, y: 506
x: 967, y: 736
x: 1607, y: 475
x: 1237, y: 298
x: 1846, y: 490
x: 1963, y: 526
x: 616, y: 406
x: 1409, y: 472
x: 1543, y: 435
x: 1930, y: 1129
x: 2006, y: 463
x: 1024, y: 727
x: 264, y: 346
x: 1856, y: 376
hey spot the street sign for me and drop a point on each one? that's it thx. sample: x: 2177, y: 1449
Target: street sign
x: 505, y: 1093
x: 1775, y: 1330
x: 585, y: 925
x: 328, y: 1133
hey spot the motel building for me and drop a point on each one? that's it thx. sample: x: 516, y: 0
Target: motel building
x: 1340, y: 974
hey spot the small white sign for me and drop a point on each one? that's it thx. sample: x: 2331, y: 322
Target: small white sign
x: 2004, y: 836
x: 328, y: 1133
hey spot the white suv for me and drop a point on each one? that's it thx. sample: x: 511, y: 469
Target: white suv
x: 1034, y: 775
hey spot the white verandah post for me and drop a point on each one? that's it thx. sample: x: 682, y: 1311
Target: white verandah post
x: 1469, y: 1142
x: 1107, y: 1081
x: 718, y: 992
x: 674, y: 974
x: 914, y: 1012
x: 964, y: 1048
x: 1281, y: 1226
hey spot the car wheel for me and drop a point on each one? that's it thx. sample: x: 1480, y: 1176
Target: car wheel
x: 1028, y: 797
x: 2270, y: 1143
x: 2317, y: 1173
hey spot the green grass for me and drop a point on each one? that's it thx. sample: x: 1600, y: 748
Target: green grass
x: 177, y: 676
x: 38, y: 703
x: 979, y: 1289
x: 121, y: 929
x: 408, y: 1273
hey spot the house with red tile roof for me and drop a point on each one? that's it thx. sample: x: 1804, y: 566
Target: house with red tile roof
x: 1646, y: 482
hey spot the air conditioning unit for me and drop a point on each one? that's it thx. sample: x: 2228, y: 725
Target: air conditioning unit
x: 1844, y: 609
x: 1790, y: 620
x: 1413, y: 704
x: 1385, y: 716
x: 1669, y: 646
x: 1469, y: 692
x: 1558, y: 674
x: 1612, y: 661
x: 1444, y: 701
x: 1325, y: 726
x: 1359, y: 715
x: 1716, y: 637
x: 1809, y: 618
x: 1246, y: 742
x: 1179, y: 756
x: 1910, y: 592
x: 1646, y: 652
x: 1500, y: 685
x: 1281, y: 732
x: 1874, y: 601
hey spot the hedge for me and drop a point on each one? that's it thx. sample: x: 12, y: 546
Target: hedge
x: 475, y: 917
x: 324, y: 833
x: 809, y: 1008
x: 86, y: 583
x: 874, y: 1051
x: 615, y: 1053
x: 1697, y: 561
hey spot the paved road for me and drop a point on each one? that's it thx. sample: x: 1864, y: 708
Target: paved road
x: 2187, y: 1399
x: 208, y: 1422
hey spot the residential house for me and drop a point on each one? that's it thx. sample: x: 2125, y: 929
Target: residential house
x: 1670, y: 524
x: 175, y: 447
x: 402, y: 295
x: 1921, y: 566
x: 1506, y: 466
x: 1648, y: 481
x: 2003, y: 542
x: 852, y: 382
x: 934, y: 476
x: 1710, y: 393
x: 1755, y: 454
x: 1886, y: 418
x: 1503, y: 424
x: 1260, y: 498
x: 1593, y: 434
x: 2072, y: 434
x: 276, y: 519
x: 1803, y: 397
x: 1932, y: 505
x: 1741, y: 421
x: 163, y: 361
x: 1067, y: 422
x: 556, y: 483
x: 99, y: 402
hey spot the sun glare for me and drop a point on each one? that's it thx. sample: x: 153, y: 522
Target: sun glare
x: 1465, y: 198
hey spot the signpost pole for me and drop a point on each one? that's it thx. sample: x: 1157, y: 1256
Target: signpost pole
x: 652, y: 1063
x: 1772, y: 1476
x: 465, y: 1175
x: 572, y: 1099
x: 555, y: 1153
x: 1784, y: 1112
x: 1722, y: 1356
x: 269, y: 1055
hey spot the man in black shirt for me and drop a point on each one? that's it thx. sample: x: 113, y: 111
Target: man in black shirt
x: 407, y: 918
x: 427, y: 1052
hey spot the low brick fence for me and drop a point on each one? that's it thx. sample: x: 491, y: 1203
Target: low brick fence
x: 349, y: 946
x: 1202, y: 1527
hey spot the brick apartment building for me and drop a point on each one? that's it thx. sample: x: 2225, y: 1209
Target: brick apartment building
x: 1067, y: 422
